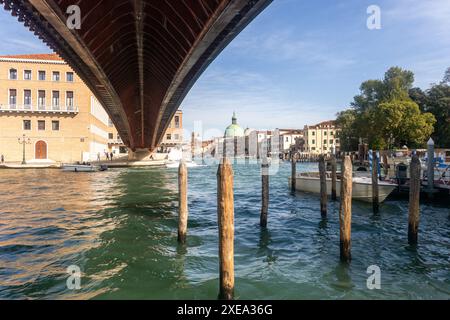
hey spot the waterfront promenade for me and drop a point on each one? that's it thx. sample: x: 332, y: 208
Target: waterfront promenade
x: 110, y: 164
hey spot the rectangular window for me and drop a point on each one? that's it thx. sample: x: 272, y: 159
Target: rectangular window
x: 177, y: 121
x: 27, y: 75
x: 331, y: 133
x: 69, y: 76
x: 41, y: 125
x: 12, y: 74
x: 313, y: 141
x: 41, y: 100
x: 27, y: 99
x: 119, y: 139
x: 69, y: 100
x: 177, y: 137
x: 313, y: 133
x: 55, y: 75
x: 12, y: 98
x: 331, y: 142
x: 26, y: 124
x: 169, y: 137
x: 55, y: 125
x: 55, y: 100
x: 41, y: 75
x: 325, y: 133
x: 337, y: 141
x: 110, y: 136
x: 325, y: 141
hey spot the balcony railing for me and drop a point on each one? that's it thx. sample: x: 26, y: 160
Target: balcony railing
x: 115, y: 141
x: 37, y: 108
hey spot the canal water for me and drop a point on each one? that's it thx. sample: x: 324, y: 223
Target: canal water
x: 120, y: 228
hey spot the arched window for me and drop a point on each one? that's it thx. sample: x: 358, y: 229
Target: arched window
x: 13, y: 74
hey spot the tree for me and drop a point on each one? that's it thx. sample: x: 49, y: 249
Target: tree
x: 372, y: 92
x: 349, y: 134
x: 446, y: 79
x: 397, y: 82
x: 420, y: 97
x: 385, y: 115
x: 436, y: 101
x: 400, y: 122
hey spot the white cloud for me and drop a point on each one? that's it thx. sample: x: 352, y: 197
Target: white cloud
x: 432, y: 14
x: 286, y: 45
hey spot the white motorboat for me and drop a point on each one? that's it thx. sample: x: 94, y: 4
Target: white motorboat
x: 362, y: 186
x: 176, y: 164
x: 78, y: 168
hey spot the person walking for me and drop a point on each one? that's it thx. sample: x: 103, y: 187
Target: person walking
x: 3, y: 159
x: 107, y: 156
x: 111, y: 156
x: 98, y: 157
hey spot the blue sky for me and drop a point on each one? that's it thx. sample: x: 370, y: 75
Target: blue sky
x: 300, y: 62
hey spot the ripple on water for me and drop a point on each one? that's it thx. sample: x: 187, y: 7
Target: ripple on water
x: 120, y: 228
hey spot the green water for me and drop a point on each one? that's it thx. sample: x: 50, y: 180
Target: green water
x: 120, y: 228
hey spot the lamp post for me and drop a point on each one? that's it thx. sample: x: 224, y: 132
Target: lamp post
x: 24, y: 141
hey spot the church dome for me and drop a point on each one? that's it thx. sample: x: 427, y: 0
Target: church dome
x: 234, y: 130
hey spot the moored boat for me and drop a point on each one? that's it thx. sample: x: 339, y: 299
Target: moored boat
x: 362, y: 186
x: 176, y: 164
x: 78, y: 168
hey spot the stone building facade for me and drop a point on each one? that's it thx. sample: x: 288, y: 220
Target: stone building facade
x: 322, y: 138
x: 45, y: 104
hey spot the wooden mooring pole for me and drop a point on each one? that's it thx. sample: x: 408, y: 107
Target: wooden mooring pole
x: 182, y: 202
x: 265, y: 192
x: 375, y: 190
x: 430, y: 167
x: 414, y: 200
x: 345, y: 211
x: 333, y: 178
x: 386, y: 165
x: 293, y: 171
x: 225, y: 208
x: 323, y: 186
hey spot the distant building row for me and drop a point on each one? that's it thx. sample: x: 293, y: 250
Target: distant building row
x: 321, y: 138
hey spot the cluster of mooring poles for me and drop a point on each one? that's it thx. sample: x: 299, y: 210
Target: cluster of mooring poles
x: 225, y: 207
x: 345, y: 211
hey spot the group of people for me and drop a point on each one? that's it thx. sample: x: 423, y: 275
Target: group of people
x: 109, y: 156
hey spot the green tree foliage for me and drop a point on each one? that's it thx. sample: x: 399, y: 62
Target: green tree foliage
x: 400, y: 122
x: 446, y: 79
x: 384, y: 114
x: 436, y: 100
x: 349, y: 134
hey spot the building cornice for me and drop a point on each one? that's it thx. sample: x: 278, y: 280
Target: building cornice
x: 3, y: 59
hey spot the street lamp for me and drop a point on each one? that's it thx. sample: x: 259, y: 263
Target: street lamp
x: 24, y: 141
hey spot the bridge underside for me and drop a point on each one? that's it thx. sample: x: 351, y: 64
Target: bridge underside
x: 139, y: 57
